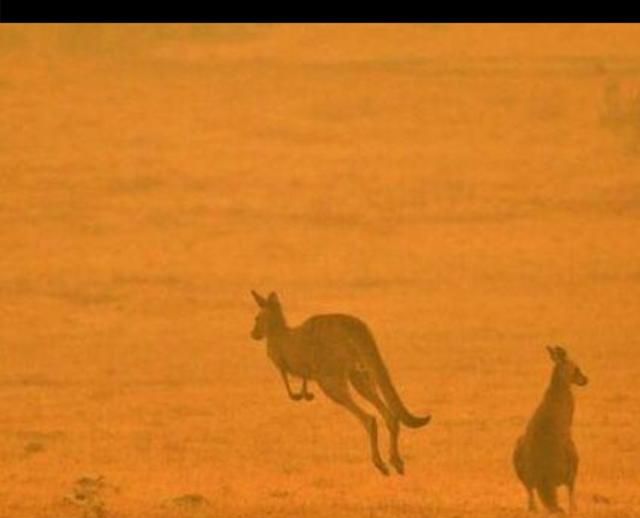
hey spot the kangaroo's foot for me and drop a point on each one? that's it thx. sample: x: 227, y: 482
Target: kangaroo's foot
x: 308, y: 396
x: 382, y: 467
x: 297, y: 397
x: 398, y: 464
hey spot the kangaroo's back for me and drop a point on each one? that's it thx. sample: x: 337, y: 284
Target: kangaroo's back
x: 334, y: 325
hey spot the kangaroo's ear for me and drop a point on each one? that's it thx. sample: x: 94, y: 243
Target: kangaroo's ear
x: 260, y: 300
x: 273, y: 299
x: 553, y: 354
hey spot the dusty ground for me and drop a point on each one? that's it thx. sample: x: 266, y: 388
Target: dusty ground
x: 473, y: 193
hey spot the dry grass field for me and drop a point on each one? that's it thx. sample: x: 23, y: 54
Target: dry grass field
x: 471, y: 192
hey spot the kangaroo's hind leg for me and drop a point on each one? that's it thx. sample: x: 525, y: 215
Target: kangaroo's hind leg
x: 363, y: 383
x: 572, y: 498
x: 532, y: 500
x: 520, y: 465
x: 572, y: 457
x: 337, y: 389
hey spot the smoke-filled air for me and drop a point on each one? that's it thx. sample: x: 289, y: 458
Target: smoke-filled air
x: 319, y: 271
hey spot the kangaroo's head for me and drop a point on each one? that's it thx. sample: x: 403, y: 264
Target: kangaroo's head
x: 566, y: 371
x: 270, y: 318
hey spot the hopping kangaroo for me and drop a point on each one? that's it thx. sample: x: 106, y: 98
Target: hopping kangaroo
x: 336, y: 351
x: 545, y: 456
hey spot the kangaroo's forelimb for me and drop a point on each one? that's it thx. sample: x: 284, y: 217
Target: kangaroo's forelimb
x: 299, y: 396
x: 307, y: 395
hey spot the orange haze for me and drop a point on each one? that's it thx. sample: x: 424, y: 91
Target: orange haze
x: 471, y: 192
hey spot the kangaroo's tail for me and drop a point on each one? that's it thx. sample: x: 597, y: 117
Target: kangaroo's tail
x: 389, y: 392
x: 548, y: 496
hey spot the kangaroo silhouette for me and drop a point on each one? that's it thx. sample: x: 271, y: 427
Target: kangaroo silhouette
x: 546, y: 457
x: 336, y: 351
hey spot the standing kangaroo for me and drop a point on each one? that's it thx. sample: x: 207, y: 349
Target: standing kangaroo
x: 545, y: 456
x: 335, y: 351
